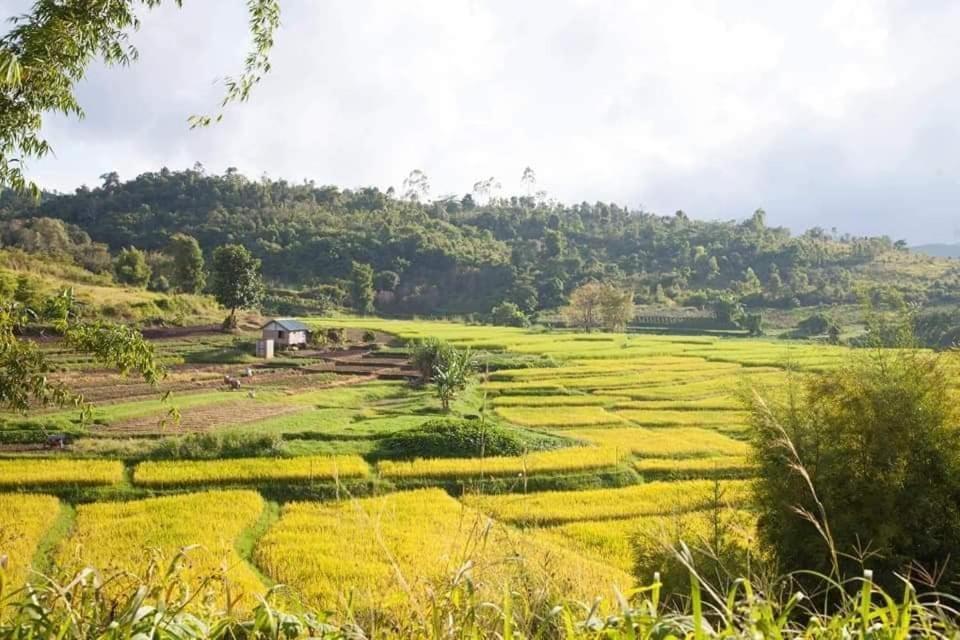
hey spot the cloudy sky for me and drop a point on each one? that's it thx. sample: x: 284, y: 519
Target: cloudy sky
x: 839, y: 113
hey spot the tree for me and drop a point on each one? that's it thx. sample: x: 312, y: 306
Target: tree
x: 416, y: 186
x: 48, y: 50
x: 753, y: 323
x: 507, y: 314
x: 727, y: 310
x: 387, y: 281
x: 426, y: 354
x: 361, y: 287
x: 188, y: 275
x: 529, y: 180
x: 486, y: 189
x: 236, y: 282
x: 598, y: 304
x: 616, y: 308
x: 750, y: 284
x: 451, y: 374
x: 880, y: 456
x: 25, y: 369
x: 130, y: 267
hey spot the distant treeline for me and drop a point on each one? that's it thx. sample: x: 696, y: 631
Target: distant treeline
x: 457, y: 255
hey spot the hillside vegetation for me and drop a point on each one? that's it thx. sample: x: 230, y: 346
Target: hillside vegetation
x: 459, y: 255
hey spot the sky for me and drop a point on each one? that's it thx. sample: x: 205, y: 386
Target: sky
x: 840, y: 114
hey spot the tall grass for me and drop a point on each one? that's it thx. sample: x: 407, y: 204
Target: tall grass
x: 158, y: 606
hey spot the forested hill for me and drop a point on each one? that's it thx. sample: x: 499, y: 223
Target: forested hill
x: 460, y: 255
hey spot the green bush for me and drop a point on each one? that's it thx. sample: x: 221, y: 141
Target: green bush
x: 880, y: 451
x: 451, y: 438
x: 208, y: 446
x: 507, y: 314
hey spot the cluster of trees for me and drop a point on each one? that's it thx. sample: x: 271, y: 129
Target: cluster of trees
x: 405, y: 253
x: 860, y: 468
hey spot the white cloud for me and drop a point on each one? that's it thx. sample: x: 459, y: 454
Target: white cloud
x: 834, y: 113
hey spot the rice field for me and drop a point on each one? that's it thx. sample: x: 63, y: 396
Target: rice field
x: 579, y: 400
x: 680, y: 442
x: 652, y: 498
x: 664, y: 409
x: 558, y: 417
x: 717, y: 467
x: 26, y: 473
x: 127, y: 536
x: 391, y: 550
x: 668, y: 418
x: 570, y: 460
x: 303, y: 470
x: 637, y: 544
x: 25, y: 519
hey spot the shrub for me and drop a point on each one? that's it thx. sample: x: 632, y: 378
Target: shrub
x: 130, y: 267
x: 209, y: 446
x: 507, y: 314
x: 878, y: 439
x: 427, y: 353
x: 452, y: 438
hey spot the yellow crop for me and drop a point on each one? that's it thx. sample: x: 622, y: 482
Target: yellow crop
x: 249, y: 471
x: 679, y: 442
x: 580, y: 400
x: 562, y: 460
x: 33, y: 472
x: 24, y: 518
x: 694, y: 467
x: 665, y: 418
x: 557, y: 416
x: 622, y: 543
x: 388, y: 552
x: 652, y: 498
x: 123, y: 535
x: 710, y: 403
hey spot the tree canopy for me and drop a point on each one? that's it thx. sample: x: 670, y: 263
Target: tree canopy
x: 48, y: 50
x: 454, y: 256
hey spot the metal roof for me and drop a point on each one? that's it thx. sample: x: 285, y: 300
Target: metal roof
x: 288, y: 324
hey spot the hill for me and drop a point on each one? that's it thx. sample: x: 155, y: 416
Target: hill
x: 465, y: 255
x: 938, y: 250
x: 31, y: 277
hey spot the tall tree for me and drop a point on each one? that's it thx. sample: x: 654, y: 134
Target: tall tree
x: 188, y: 275
x: 361, y: 287
x: 416, y: 186
x: 529, y: 180
x: 599, y: 304
x: 236, y: 281
x: 48, y: 50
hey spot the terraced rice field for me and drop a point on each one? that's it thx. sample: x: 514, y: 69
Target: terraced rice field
x: 27, y: 473
x: 129, y: 535
x: 249, y: 471
x: 664, y: 412
x: 25, y: 519
x: 574, y: 459
x: 652, y: 498
x: 386, y: 541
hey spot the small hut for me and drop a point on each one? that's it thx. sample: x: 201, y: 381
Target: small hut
x: 285, y: 332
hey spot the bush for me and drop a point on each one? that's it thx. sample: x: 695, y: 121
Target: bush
x: 507, y: 314
x: 210, y: 446
x: 452, y: 438
x: 879, y: 441
x: 369, y: 336
x: 427, y: 353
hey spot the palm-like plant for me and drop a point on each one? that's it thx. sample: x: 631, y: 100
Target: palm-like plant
x: 450, y: 374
